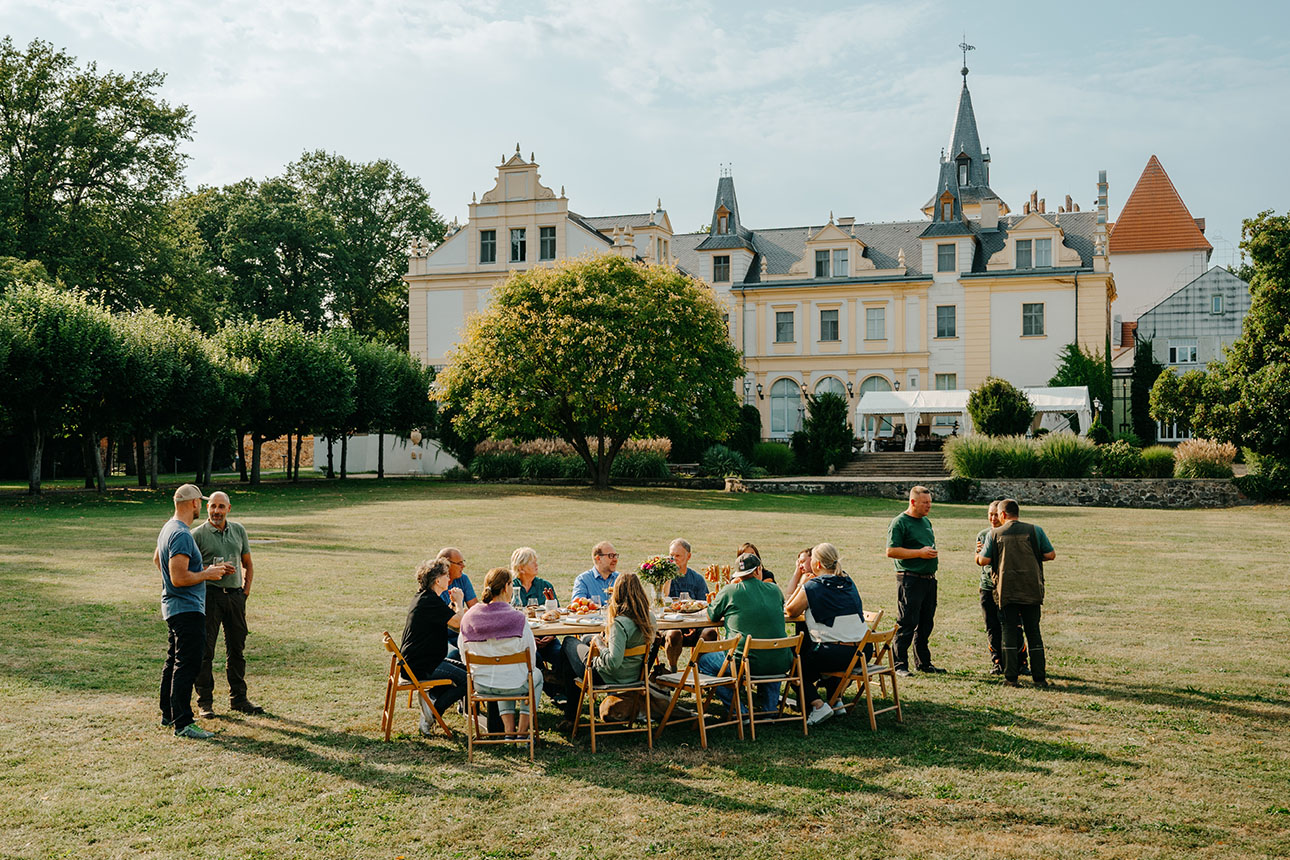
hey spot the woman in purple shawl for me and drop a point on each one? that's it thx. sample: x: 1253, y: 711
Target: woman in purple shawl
x: 493, y: 628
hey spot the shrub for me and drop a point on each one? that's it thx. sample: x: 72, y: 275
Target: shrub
x: 1158, y: 462
x: 541, y: 466
x: 775, y: 457
x: 961, y: 489
x: 720, y: 461
x: 640, y: 465
x: 1065, y: 455
x: 972, y: 457
x: 573, y: 468
x: 999, y: 408
x: 1204, y: 458
x: 1098, y: 434
x: 1120, y: 460
x: 748, y: 431
x: 825, y: 438
x: 457, y: 473
x: 1130, y: 437
x: 493, y: 467
x: 1017, y: 457
x: 1268, y: 478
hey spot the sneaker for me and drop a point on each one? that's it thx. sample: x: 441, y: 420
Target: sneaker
x: 246, y: 707
x: 1025, y: 670
x: 426, y: 730
x: 1042, y: 682
x: 819, y: 715
x: 839, y: 710
x: 929, y: 669
x: 904, y: 673
x: 167, y: 723
x: 194, y: 731
x: 996, y: 669
x: 205, y: 712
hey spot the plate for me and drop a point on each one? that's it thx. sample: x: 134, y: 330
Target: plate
x: 589, y: 620
x: 673, y: 616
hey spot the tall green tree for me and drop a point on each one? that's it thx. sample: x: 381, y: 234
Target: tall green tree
x: 595, y: 351
x: 825, y: 438
x: 999, y: 408
x: 1077, y: 366
x: 1146, y: 370
x: 87, y: 162
x: 372, y: 211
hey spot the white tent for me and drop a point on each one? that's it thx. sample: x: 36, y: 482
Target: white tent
x: 911, y: 406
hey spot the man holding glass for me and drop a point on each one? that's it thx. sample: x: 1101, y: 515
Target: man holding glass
x: 225, y: 541
x: 912, y: 544
x: 596, y: 583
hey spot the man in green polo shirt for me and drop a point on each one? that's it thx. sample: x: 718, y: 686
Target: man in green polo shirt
x: 219, y: 537
x: 911, y: 543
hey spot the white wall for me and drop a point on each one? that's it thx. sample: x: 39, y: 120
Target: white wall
x: 430, y: 459
x: 444, y: 319
x: 1029, y: 360
x: 451, y: 254
x: 1142, y: 281
x: 578, y: 241
x: 945, y: 355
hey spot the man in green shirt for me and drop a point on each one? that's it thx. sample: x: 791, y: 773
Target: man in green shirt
x: 912, y: 544
x: 750, y: 607
x: 219, y: 537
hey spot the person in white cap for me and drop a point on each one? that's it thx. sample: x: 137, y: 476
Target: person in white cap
x: 183, y: 605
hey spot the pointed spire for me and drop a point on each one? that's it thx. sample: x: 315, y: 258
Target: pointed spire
x: 658, y: 205
x: 900, y: 258
x: 532, y: 158
x: 830, y: 216
x: 517, y: 148
x: 472, y: 197
x: 561, y: 191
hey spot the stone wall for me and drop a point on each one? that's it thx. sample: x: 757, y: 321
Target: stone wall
x: 1091, y: 492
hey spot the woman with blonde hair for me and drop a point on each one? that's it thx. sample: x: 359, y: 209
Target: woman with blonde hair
x: 494, y: 628
x: 834, y: 624
x: 524, y: 564
x: 628, y: 624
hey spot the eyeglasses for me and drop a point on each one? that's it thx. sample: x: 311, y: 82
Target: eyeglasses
x: 461, y: 563
x: 606, y: 555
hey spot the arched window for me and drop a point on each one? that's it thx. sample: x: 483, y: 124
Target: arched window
x: 785, y: 407
x: 876, y: 383
x: 830, y: 385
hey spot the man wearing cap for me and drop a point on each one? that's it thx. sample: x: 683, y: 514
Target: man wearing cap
x: 183, y: 605
x: 750, y: 607
x: 912, y: 544
x: 219, y: 537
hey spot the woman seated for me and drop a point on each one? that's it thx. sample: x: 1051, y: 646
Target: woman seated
x: 746, y: 548
x: 536, y: 591
x: 803, y: 570
x: 425, y: 638
x: 628, y: 624
x: 834, y: 624
x: 494, y: 628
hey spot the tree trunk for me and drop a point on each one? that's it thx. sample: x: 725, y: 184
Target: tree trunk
x: 108, y: 457
x: 380, y: 454
x: 241, y: 455
x: 344, y: 455
x: 35, y: 453
x: 86, y: 464
x: 100, y: 479
x: 299, y: 442
x: 141, y: 458
x: 153, y: 456
x: 602, y: 465
x: 331, y: 451
x: 257, y: 441
x: 287, y: 462
x: 210, y: 459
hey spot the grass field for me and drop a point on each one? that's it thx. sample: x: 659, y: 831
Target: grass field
x: 1167, y: 733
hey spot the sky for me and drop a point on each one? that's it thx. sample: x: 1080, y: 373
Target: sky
x: 833, y: 107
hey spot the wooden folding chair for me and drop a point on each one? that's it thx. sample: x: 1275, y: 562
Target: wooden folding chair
x: 588, y: 691
x: 474, y: 699
x: 862, y: 673
x: 402, y: 679
x: 871, y: 619
x: 792, y: 676
x: 702, y: 686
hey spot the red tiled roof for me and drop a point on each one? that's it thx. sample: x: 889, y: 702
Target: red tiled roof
x: 1154, y: 218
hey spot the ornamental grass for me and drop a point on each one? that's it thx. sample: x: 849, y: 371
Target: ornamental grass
x: 1204, y: 458
x: 972, y: 456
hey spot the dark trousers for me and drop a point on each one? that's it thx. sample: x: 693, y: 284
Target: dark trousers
x: 225, y: 609
x: 573, y: 663
x: 549, y: 661
x: 447, y: 696
x: 183, y: 661
x: 916, y: 605
x: 991, y: 613
x: 829, y: 657
x: 1016, y: 617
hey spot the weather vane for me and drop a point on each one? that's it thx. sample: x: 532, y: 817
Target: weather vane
x: 965, y: 47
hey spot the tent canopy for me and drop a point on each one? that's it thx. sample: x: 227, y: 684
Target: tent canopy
x: 911, y: 405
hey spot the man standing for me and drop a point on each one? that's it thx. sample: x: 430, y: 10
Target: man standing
x: 990, y: 609
x: 1018, y: 551
x: 687, y: 582
x: 183, y: 605
x: 220, y: 538
x: 597, y: 582
x: 912, y: 544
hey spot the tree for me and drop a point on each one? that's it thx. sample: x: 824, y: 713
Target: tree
x: 999, y: 408
x: 408, y: 406
x: 1080, y: 367
x: 825, y: 438
x: 373, y: 211
x: 1146, y: 370
x: 595, y: 351
x: 87, y: 162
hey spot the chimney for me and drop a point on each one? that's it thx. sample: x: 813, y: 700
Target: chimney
x: 1128, y: 334
x: 1042, y: 206
x: 1069, y: 204
x: 1102, y: 248
x: 1200, y: 224
x: 990, y: 214
x: 847, y: 221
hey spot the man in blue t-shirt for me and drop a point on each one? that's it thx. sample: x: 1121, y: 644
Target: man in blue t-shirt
x: 457, y: 570
x: 183, y: 605
x: 598, y: 582
x: 691, y: 583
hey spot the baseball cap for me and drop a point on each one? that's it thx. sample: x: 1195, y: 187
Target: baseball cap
x: 744, y: 565
x: 188, y: 492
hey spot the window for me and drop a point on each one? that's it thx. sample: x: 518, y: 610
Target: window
x: 721, y: 268
x: 519, y: 247
x: 1216, y: 304
x: 1023, y: 254
x: 546, y: 243
x: 488, y: 246
x: 829, y: 325
x: 947, y: 210
x: 783, y: 326
x: 840, y: 267
x: 947, y: 381
x: 945, y: 259
x: 947, y: 323
x: 1032, y: 319
x: 963, y: 173
x: 830, y: 385
x: 1172, y: 432
x: 875, y: 323
x: 722, y: 224
x: 1043, y: 253
x: 1182, y: 354
x: 785, y: 406
x: 821, y: 264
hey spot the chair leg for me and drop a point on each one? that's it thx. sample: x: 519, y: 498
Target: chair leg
x: 649, y: 721
x: 900, y: 716
x: 752, y: 712
x: 703, y: 728
x: 591, y: 718
x: 801, y: 698
x: 868, y: 695
x: 671, y: 706
x: 577, y: 714
x: 387, y: 715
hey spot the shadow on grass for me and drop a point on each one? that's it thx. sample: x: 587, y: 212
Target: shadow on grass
x: 1226, y: 702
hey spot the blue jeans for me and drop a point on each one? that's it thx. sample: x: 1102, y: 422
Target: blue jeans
x: 509, y: 707
x: 710, y: 664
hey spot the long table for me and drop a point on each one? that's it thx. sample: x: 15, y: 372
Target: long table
x: 686, y: 621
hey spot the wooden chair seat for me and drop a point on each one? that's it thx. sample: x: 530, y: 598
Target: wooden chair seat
x: 861, y: 673
x: 702, y: 686
x: 588, y: 691
x: 792, y: 676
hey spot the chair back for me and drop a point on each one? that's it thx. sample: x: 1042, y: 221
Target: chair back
x: 872, y: 618
x: 711, y: 646
x: 794, y: 642
x: 473, y: 659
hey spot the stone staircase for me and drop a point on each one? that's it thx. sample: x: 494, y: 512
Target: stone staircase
x: 896, y: 464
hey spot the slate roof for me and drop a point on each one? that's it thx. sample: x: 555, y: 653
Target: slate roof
x: 737, y: 236
x: 1154, y: 218
x: 964, y: 140
x: 609, y: 222
x: 587, y: 223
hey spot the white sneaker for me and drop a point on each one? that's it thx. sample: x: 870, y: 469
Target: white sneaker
x: 819, y: 715
x: 840, y: 710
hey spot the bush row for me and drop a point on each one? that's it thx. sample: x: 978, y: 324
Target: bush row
x: 638, y: 465
x: 1063, y: 455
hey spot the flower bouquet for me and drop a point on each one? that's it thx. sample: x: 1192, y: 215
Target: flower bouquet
x: 657, y: 572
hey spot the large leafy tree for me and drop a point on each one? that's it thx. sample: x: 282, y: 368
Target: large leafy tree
x: 372, y: 211
x: 87, y: 163
x: 595, y: 351
x: 1078, y: 366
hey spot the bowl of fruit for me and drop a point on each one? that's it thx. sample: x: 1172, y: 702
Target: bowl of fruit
x: 583, y: 606
x: 688, y: 605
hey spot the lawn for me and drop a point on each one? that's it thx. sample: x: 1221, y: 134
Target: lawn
x: 1167, y: 733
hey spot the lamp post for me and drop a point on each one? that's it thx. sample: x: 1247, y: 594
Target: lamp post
x: 850, y: 390
x: 415, y: 438
x: 747, y: 391
x: 760, y: 396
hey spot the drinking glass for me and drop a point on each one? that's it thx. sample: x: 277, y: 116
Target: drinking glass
x: 685, y: 596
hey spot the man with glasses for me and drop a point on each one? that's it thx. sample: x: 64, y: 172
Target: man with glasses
x: 596, y: 583
x: 457, y: 570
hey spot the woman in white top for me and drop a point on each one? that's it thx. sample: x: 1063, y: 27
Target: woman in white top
x: 493, y: 628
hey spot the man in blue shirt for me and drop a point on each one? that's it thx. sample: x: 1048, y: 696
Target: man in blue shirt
x: 457, y: 570
x: 693, y: 584
x: 598, y: 582
x: 183, y: 605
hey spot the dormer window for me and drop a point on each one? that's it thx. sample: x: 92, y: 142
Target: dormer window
x: 947, y: 210
x: 963, y: 173
x: 723, y: 220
